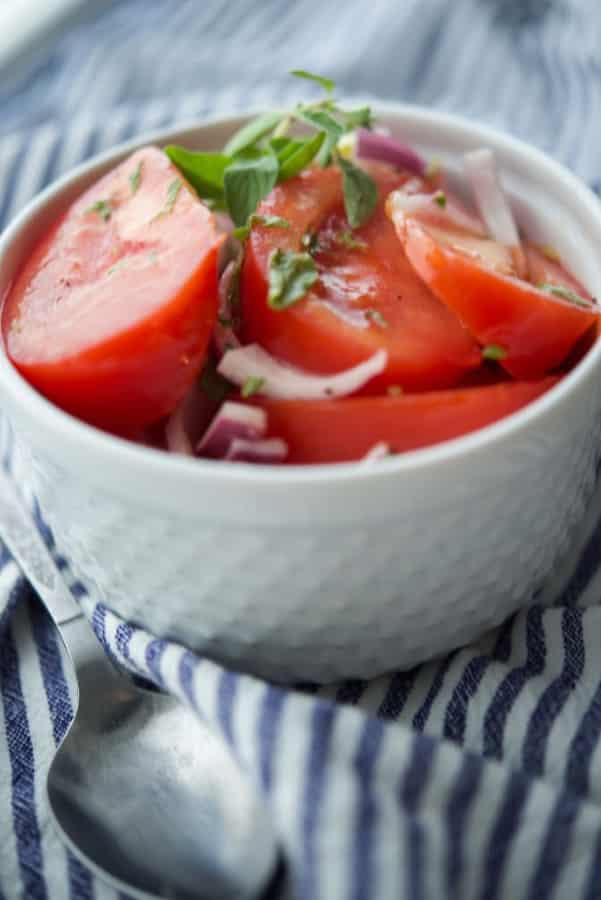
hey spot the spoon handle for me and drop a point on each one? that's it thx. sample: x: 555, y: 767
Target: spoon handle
x: 22, y: 538
x: 95, y: 676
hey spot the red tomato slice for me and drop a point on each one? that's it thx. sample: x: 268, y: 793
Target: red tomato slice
x: 318, y: 431
x: 368, y: 296
x: 111, y: 316
x: 474, y: 279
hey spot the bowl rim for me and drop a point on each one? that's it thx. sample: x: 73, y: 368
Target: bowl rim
x: 90, y: 442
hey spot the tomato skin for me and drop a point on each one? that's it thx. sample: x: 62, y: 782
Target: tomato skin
x: 139, y: 294
x: 327, y: 331
x: 323, y: 431
x: 536, y: 330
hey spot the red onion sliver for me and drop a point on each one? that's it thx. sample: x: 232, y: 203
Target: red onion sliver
x: 287, y: 382
x: 273, y: 450
x: 189, y: 420
x: 176, y: 434
x: 380, y: 147
x: 234, y: 420
x: 379, y: 451
x: 483, y: 177
x: 223, y: 332
x: 425, y: 208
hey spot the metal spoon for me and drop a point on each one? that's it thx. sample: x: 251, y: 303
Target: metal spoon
x: 139, y: 789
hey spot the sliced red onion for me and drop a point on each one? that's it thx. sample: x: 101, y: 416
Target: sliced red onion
x: 188, y: 421
x: 287, y: 382
x: 176, y: 435
x: 481, y: 171
x: 224, y: 337
x: 234, y: 420
x: 380, y: 147
x: 451, y: 214
x: 378, y: 451
x: 273, y: 450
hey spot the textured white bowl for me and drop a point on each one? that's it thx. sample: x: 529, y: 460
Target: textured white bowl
x: 327, y: 571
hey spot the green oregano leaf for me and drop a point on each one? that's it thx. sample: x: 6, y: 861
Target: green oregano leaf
x: 291, y: 275
x: 349, y: 240
x: 252, y: 132
x: 103, y: 208
x: 360, y: 193
x: 252, y: 385
x: 136, y: 177
x: 326, y: 83
x: 256, y: 219
x: 301, y: 156
x: 246, y: 182
x: 204, y: 171
x: 558, y: 290
x: 494, y: 352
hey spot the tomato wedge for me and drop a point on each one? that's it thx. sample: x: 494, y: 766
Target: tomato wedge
x: 319, y: 431
x: 367, y: 297
x: 474, y: 279
x: 111, y: 315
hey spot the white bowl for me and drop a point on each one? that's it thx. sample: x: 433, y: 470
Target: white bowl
x: 323, y: 572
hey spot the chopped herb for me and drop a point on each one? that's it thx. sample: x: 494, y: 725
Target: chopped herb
x: 558, y: 290
x: 348, y: 239
x: 118, y: 265
x: 246, y: 182
x: 310, y: 242
x: 268, y: 221
x: 326, y: 83
x: 327, y: 124
x: 252, y: 132
x: 252, y: 385
x: 173, y: 190
x: 172, y: 194
x: 360, y: 193
x: 204, y: 171
x: 394, y: 390
x: 300, y: 157
x: 291, y: 275
x: 103, y: 208
x: 359, y: 118
x: 440, y: 198
x: 152, y: 256
x: 283, y: 128
x: 376, y: 316
x: 494, y: 352
x: 136, y: 177
x: 263, y: 153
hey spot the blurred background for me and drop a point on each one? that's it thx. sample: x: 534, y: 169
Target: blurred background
x: 80, y: 75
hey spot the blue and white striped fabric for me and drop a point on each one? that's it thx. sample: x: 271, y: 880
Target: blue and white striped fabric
x: 475, y: 776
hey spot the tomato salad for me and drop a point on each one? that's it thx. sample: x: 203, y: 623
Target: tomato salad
x: 316, y: 292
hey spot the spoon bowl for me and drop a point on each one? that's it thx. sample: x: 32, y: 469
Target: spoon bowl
x: 141, y: 791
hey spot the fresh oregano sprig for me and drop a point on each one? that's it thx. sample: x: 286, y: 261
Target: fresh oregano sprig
x: 263, y: 153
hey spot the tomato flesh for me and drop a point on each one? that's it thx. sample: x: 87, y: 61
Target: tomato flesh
x: 535, y: 329
x: 111, y: 315
x: 324, y: 431
x: 367, y: 297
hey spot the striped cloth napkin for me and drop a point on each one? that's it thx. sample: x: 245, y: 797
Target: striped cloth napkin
x: 474, y: 776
